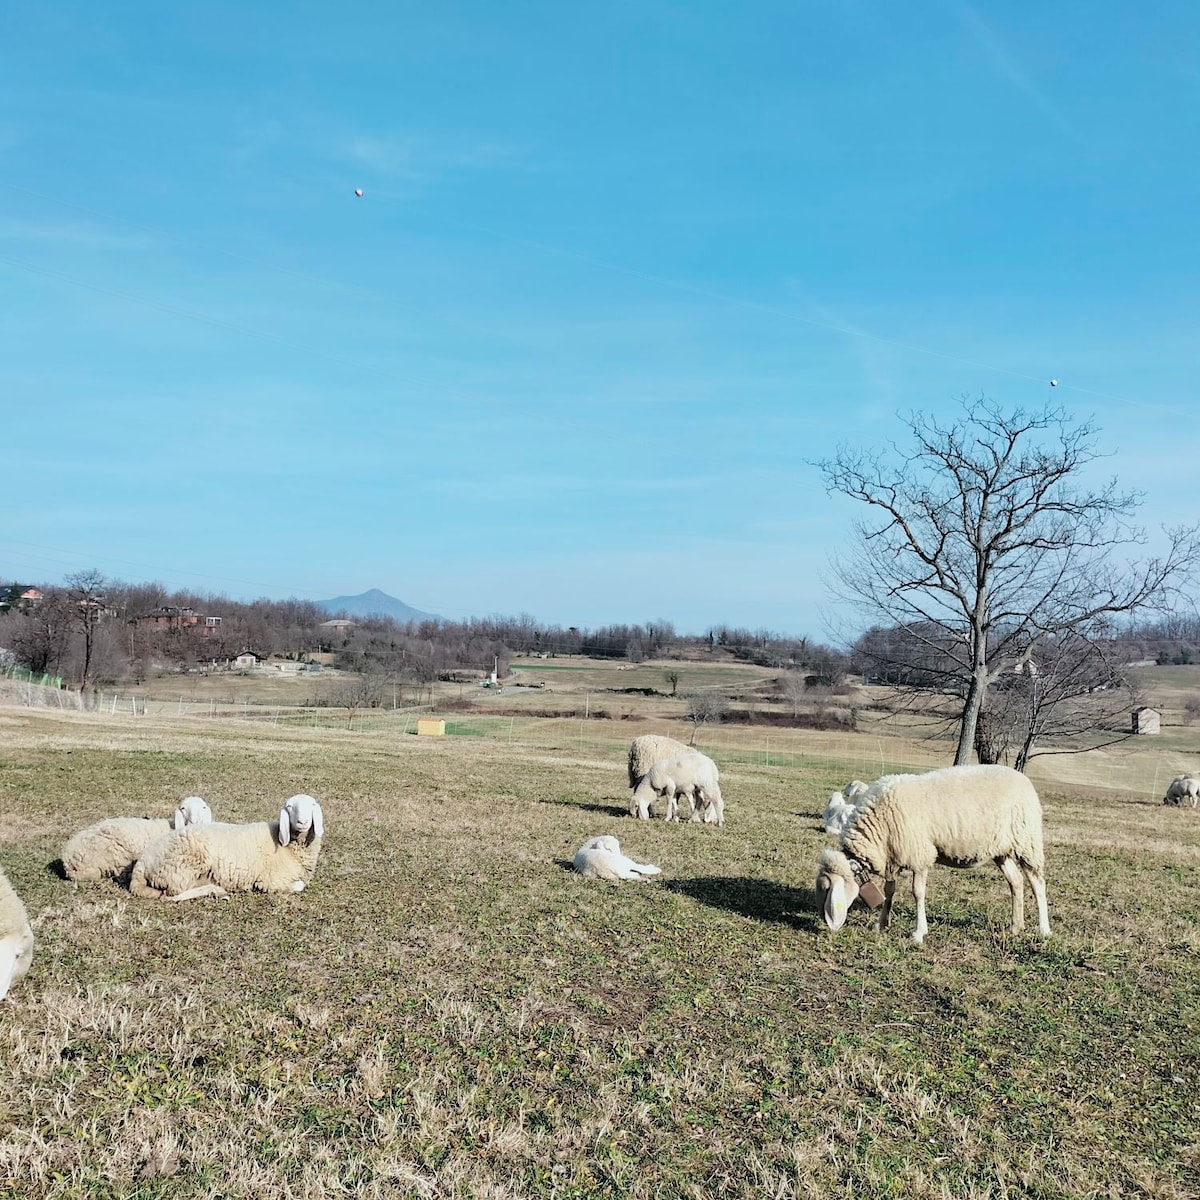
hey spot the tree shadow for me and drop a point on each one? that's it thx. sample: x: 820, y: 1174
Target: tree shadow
x: 758, y: 899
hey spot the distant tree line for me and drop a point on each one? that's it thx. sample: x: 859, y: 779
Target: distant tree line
x: 94, y: 630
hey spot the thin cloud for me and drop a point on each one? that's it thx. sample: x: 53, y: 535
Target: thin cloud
x: 73, y: 233
x: 1007, y: 67
x: 415, y: 159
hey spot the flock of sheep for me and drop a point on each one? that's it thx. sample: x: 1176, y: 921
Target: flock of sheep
x: 955, y: 816
x: 184, y: 858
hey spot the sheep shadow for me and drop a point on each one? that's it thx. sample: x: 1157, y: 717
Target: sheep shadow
x: 609, y: 810
x: 56, y: 869
x: 757, y: 899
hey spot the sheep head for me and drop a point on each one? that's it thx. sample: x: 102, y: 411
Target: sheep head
x: 836, y: 887
x: 192, y: 810
x: 300, y: 815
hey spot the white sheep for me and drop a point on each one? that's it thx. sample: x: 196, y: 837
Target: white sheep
x: 841, y: 805
x: 649, y: 748
x: 957, y: 816
x: 214, y: 860
x: 16, y: 937
x: 111, y: 847
x: 1183, y: 788
x: 601, y: 858
x: 691, y: 775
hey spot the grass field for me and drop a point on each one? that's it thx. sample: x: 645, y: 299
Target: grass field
x: 448, y: 1012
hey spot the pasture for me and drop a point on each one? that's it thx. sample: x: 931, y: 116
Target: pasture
x: 448, y: 1012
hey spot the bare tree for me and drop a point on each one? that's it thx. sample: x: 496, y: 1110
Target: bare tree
x: 988, y: 543
x: 794, y: 689
x: 86, y: 589
x: 703, y: 708
x: 673, y: 680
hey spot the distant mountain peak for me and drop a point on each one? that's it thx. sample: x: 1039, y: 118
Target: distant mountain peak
x: 375, y: 603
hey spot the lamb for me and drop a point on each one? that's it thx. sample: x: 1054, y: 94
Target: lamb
x: 956, y: 816
x: 648, y: 749
x: 841, y: 805
x: 1183, y: 788
x: 109, y: 848
x: 214, y: 860
x: 689, y: 774
x: 16, y: 937
x: 601, y: 858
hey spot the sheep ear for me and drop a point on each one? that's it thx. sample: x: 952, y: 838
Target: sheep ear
x: 177, y: 822
x: 837, y: 905
x: 318, y: 824
x: 285, y: 826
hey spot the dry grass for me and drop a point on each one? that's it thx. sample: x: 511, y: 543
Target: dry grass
x: 449, y: 1012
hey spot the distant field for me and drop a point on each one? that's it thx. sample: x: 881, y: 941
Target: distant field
x: 449, y: 1012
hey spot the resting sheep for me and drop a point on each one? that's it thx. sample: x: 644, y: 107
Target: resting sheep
x: 1183, y: 789
x: 601, y: 858
x: 648, y: 749
x: 16, y: 937
x: 109, y: 848
x: 214, y: 860
x: 841, y: 805
x: 690, y: 774
x: 959, y: 817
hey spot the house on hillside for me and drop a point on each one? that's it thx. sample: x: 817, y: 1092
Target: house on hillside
x: 246, y: 660
x: 174, y: 616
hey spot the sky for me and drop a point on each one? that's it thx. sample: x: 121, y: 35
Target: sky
x: 619, y: 276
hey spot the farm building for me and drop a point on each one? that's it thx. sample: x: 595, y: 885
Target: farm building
x: 1147, y: 720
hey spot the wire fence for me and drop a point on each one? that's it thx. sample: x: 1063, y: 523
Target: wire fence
x: 1137, y: 768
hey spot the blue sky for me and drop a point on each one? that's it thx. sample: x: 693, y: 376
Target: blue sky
x: 618, y: 274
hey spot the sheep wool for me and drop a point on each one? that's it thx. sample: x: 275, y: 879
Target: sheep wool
x: 214, y: 860
x: 691, y: 775
x: 956, y: 816
x: 109, y: 848
x: 601, y: 858
x: 646, y: 750
x: 16, y: 937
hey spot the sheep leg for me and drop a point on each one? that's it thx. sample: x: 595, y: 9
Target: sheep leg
x: 203, y: 889
x: 885, y: 911
x: 1016, y: 884
x: 918, y: 889
x: 1039, y: 894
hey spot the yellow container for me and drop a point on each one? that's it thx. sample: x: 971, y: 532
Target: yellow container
x: 428, y: 727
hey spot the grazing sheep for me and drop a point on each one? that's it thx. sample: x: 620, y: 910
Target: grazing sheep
x: 601, y: 858
x: 648, y: 749
x: 1183, y: 789
x: 690, y: 774
x: 959, y: 817
x: 109, y: 848
x: 214, y: 860
x: 16, y: 937
x: 841, y: 805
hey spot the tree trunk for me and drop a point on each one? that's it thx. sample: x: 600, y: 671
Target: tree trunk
x: 970, y: 720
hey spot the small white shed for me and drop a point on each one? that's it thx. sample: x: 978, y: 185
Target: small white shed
x: 1146, y: 720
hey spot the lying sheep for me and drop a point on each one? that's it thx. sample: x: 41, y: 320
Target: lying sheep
x: 214, y: 860
x: 109, y: 848
x: 601, y: 858
x: 959, y: 817
x: 1183, y: 789
x: 648, y: 749
x: 841, y: 805
x: 16, y: 937
x: 692, y: 775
